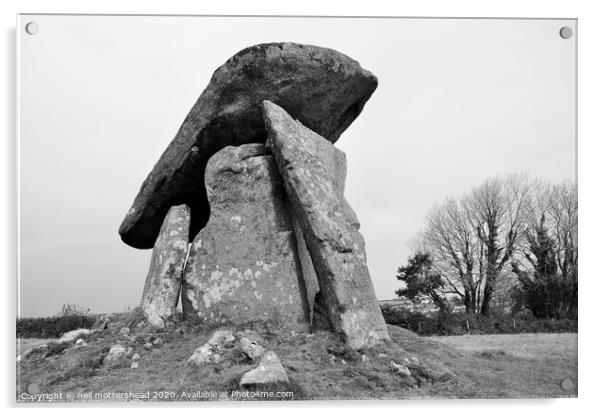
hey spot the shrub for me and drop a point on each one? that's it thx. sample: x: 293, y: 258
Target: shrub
x: 455, y: 324
x: 73, y: 309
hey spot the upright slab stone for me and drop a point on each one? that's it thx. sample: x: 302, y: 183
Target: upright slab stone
x: 323, y: 88
x: 243, y: 266
x: 311, y: 169
x: 163, y: 282
x: 338, y: 170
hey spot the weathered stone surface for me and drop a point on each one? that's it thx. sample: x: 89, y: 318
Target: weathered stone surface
x: 164, y: 279
x: 116, y: 356
x: 211, y: 351
x: 310, y: 166
x: 402, y: 369
x: 318, y: 312
x: 270, y: 370
x: 243, y: 266
x: 322, y: 88
x: 253, y: 350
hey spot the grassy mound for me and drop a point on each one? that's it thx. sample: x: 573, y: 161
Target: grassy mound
x: 319, y: 366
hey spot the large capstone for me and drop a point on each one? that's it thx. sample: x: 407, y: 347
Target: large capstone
x: 163, y: 282
x: 243, y: 266
x: 311, y: 168
x: 322, y: 88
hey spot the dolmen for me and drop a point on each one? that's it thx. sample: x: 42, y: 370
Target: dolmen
x: 245, y: 210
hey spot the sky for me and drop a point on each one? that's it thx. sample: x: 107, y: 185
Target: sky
x: 100, y: 97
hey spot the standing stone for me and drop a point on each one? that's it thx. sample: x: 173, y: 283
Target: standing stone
x: 324, y: 89
x: 311, y: 168
x: 163, y: 282
x: 318, y: 315
x: 243, y: 265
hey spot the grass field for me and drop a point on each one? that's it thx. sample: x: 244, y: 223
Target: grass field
x: 562, y: 347
x: 321, y: 367
x: 518, y: 365
x: 23, y: 344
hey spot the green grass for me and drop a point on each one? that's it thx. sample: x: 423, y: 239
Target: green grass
x: 321, y: 367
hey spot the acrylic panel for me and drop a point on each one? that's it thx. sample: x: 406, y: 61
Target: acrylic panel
x: 460, y: 147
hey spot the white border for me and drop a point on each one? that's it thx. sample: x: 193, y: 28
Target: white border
x: 590, y: 94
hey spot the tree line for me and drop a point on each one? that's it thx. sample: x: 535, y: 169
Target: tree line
x: 508, y: 242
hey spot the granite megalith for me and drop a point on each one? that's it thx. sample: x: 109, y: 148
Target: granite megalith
x: 163, y: 282
x: 311, y: 169
x: 243, y: 266
x: 321, y: 87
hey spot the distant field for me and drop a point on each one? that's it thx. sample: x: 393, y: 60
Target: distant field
x: 530, y: 363
x: 539, y: 346
x: 24, y: 344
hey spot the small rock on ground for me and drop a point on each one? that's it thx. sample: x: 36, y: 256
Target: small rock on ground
x: 211, y: 350
x: 73, y: 335
x: 116, y: 356
x: 402, y: 369
x: 270, y: 370
x: 253, y: 350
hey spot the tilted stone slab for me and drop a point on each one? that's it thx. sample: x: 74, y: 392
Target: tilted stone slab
x: 163, y: 282
x: 317, y: 315
x: 310, y: 165
x: 243, y: 266
x: 323, y: 88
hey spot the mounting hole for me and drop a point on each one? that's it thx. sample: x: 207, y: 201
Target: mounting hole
x: 33, y: 388
x: 566, y: 32
x: 567, y: 384
x: 32, y: 28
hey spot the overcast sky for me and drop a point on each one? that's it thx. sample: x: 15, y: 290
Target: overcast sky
x: 458, y: 101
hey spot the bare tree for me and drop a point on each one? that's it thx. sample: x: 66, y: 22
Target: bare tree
x: 563, y: 216
x: 498, y: 213
x: 456, y: 252
x: 473, y: 238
